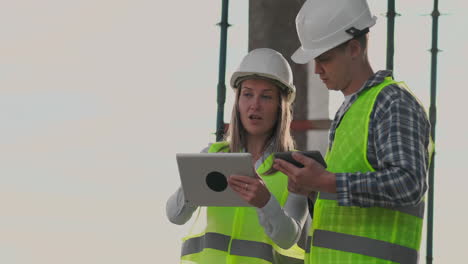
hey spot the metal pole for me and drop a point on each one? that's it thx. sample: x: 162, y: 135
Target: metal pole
x: 432, y: 117
x: 390, y: 33
x: 222, y: 71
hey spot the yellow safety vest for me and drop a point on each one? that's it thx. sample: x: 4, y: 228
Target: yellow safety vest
x: 350, y: 234
x: 234, y: 235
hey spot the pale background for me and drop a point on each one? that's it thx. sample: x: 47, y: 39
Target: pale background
x: 97, y: 96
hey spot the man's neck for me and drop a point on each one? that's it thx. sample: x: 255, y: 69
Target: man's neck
x: 360, y: 76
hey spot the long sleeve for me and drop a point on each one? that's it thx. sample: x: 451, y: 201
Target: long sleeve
x: 397, y: 149
x: 284, y: 225
x: 177, y: 210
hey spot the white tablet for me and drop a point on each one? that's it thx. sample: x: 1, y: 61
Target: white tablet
x: 204, y: 177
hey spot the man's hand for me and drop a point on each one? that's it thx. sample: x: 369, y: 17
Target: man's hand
x: 295, y: 188
x: 313, y: 177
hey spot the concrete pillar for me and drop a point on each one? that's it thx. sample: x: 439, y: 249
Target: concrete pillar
x: 272, y: 25
x: 318, y: 109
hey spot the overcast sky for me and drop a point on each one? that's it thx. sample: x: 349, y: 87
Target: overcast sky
x: 97, y: 96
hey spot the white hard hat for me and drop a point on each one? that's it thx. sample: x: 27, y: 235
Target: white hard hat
x: 265, y: 63
x: 323, y: 25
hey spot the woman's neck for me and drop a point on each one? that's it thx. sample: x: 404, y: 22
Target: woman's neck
x: 256, y: 146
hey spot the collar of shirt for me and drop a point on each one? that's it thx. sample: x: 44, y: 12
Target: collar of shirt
x: 266, y: 153
x: 374, y: 80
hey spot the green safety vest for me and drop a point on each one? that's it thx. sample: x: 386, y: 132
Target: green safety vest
x: 234, y: 235
x: 350, y: 234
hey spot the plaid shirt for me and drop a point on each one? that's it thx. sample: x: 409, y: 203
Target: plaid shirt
x: 397, y: 149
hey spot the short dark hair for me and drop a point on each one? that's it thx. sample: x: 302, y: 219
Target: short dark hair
x: 362, y: 39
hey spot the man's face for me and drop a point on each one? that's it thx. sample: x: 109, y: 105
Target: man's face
x: 334, y: 68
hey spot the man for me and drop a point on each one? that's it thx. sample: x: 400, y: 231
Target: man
x: 369, y: 201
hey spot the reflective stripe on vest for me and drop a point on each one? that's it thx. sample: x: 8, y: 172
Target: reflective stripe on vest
x: 244, y: 248
x: 221, y: 242
x: 365, y: 246
x: 209, y: 240
x: 308, y: 244
x: 417, y: 210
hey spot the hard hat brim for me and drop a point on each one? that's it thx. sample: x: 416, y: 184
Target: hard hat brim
x: 303, y: 56
x: 291, y: 89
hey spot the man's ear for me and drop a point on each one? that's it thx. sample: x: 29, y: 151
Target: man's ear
x: 355, y: 48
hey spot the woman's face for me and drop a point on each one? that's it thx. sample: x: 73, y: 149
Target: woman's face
x: 258, y: 106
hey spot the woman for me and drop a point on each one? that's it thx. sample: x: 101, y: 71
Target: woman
x: 268, y: 231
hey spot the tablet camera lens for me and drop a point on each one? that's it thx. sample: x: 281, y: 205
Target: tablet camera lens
x: 216, y: 181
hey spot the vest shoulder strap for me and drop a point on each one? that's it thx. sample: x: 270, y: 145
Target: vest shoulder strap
x: 221, y: 146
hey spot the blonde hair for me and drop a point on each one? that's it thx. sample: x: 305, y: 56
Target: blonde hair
x: 280, y: 138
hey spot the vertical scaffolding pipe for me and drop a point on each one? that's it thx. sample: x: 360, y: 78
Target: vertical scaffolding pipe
x: 432, y: 117
x: 222, y: 71
x: 391, y: 14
